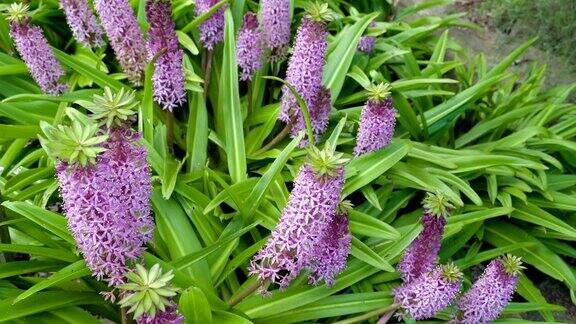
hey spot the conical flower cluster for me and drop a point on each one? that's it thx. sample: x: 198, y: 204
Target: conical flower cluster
x: 305, y: 70
x: 276, y: 26
x: 212, y: 29
x: 484, y: 302
x: 249, y: 48
x: 311, y: 208
x: 107, y: 205
x: 377, y: 121
x: 332, y: 251
x: 35, y: 51
x: 420, y: 257
x: 125, y: 36
x: 430, y: 293
x: 82, y: 22
x: 168, y: 78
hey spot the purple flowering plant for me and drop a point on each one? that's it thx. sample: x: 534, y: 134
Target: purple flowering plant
x: 250, y: 162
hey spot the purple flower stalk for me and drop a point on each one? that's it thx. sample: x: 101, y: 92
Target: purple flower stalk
x: 366, y: 44
x: 168, y: 78
x: 276, y: 25
x: 310, y: 210
x: 430, y: 293
x: 212, y: 29
x: 168, y: 316
x: 107, y: 205
x: 377, y: 122
x: 332, y: 251
x: 484, y: 302
x: 125, y: 36
x: 249, y: 47
x: 420, y: 257
x: 304, y: 73
x: 82, y: 22
x: 40, y: 60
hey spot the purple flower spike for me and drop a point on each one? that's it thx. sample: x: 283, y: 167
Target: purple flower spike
x: 249, y: 47
x: 430, y: 293
x: 125, y: 36
x: 307, y: 217
x: 332, y: 251
x: 35, y: 51
x: 420, y: 257
x: 304, y: 73
x: 107, y: 205
x: 484, y: 302
x: 276, y: 25
x: 377, y: 121
x: 212, y: 29
x: 168, y: 78
x: 168, y: 316
x: 82, y: 22
x: 366, y: 44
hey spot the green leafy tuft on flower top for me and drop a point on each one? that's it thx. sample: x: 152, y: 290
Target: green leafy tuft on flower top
x: 319, y: 12
x: 150, y: 291
x: 325, y: 162
x: 77, y: 143
x: 437, y: 205
x: 112, y: 108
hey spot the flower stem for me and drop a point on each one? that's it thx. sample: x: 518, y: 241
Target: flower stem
x: 280, y: 136
x: 207, y: 72
x: 361, y: 318
x: 125, y: 316
x: 244, y: 293
x: 170, y: 131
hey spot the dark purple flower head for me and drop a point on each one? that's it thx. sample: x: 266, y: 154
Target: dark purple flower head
x: 430, y: 293
x: 276, y: 25
x: 305, y: 70
x: 249, y: 48
x: 212, y: 29
x: 107, y: 205
x: 366, y: 44
x: 306, y: 218
x: 168, y: 78
x: 332, y: 251
x: 125, y: 36
x: 377, y: 121
x: 82, y: 22
x: 484, y: 302
x: 420, y: 257
x: 35, y: 51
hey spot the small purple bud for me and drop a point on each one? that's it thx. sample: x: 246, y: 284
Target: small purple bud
x: 40, y: 60
x: 377, y: 123
x: 249, y: 47
x: 82, y: 22
x: 484, y: 302
x: 430, y: 293
x: 168, y: 78
x: 212, y: 29
x: 366, y: 44
x: 420, y: 257
x: 332, y: 251
x: 307, y: 216
x: 125, y: 36
x: 276, y: 25
x: 108, y: 205
x: 304, y: 73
